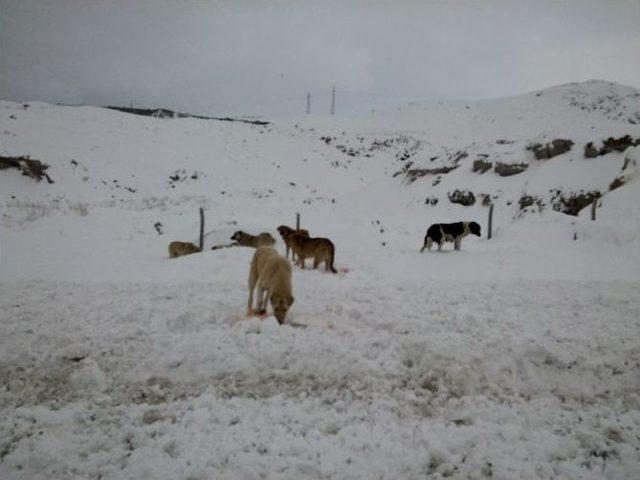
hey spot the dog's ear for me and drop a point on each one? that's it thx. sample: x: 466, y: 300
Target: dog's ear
x: 290, y: 300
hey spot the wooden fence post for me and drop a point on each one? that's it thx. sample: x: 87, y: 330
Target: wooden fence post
x: 297, y: 221
x: 593, y: 210
x: 489, y: 230
x: 201, y: 228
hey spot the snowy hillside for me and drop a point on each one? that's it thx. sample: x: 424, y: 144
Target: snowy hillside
x: 518, y: 357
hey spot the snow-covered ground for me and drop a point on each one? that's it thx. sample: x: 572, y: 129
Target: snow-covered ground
x: 518, y: 357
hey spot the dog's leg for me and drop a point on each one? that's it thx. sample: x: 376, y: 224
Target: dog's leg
x: 316, y: 262
x: 252, y: 286
x: 440, y: 246
x: 456, y: 244
x: 267, y: 296
x: 261, y: 303
x: 265, y: 300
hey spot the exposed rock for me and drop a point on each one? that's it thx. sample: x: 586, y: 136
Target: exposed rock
x: 462, y: 197
x: 610, y: 145
x: 415, y: 173
x: 508, y: 169
x: 590, y: 151
x: 572, y: 203
x: 482, y: 165
x: 617, y: 182
x: 618, y: 144
x: 549, y: 150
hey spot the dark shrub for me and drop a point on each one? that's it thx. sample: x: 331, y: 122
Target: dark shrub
x: 529, y: 200
x: 27, y: 166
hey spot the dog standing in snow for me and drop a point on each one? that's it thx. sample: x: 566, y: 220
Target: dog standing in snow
x: 449, y: 232
x: 320, y: 249
x: 287, y: 233
x: 271, y: 273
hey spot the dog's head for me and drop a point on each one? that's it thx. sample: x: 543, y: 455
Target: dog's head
x: 281, y: 304
x: 474, y: 228
x: 238, y: 235
x: 283, y: 230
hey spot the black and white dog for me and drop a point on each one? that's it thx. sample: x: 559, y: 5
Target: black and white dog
x: 449, y: 232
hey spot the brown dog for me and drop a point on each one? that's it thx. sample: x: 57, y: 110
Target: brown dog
x: 320, y: 249
x: 244, y: 239
x: 286, y: 233
x: 177, y: 249
x: 271, y: 273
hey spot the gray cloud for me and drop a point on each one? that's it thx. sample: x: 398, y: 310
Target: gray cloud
x: 247, y: 57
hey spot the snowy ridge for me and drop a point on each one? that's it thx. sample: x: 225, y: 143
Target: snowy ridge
x: 516, y: 357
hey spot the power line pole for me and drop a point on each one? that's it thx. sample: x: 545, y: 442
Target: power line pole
x: 333, y: 100
x: 308, y: 110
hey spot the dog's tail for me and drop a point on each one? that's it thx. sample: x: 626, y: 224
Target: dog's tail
x: 426, y: 239
x: 333, y: 256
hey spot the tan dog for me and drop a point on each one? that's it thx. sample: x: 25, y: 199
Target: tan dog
x: 286, y: 233
x: 244, y: 239
x: 271, y: 273
x: 320, y: 249
x: 177, y: 249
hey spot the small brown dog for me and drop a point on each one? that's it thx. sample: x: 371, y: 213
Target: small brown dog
x: 320, y: 249
x: 271, y: 273
x: 177, y: 249
x: 286, y: 233
x: 244, y: 239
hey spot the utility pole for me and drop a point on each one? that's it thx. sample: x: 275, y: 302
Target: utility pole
x: 201, y: 228
x: 333, y: 100
x: 490, y: 229
x: 308, y: 110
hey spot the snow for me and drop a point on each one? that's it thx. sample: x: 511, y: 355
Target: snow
x: 517, y: 357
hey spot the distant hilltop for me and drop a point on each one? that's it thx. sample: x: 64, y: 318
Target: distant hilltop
x: 166, y: 113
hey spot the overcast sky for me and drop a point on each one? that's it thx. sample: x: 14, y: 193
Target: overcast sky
x: 261, y: 57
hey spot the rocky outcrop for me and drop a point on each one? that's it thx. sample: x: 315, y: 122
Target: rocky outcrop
x: 462, y: 197
x: 610, y: 145
x: 552, y: 149
x: 508, y: 169
x: 572, y: 203
x: 481, y: 165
